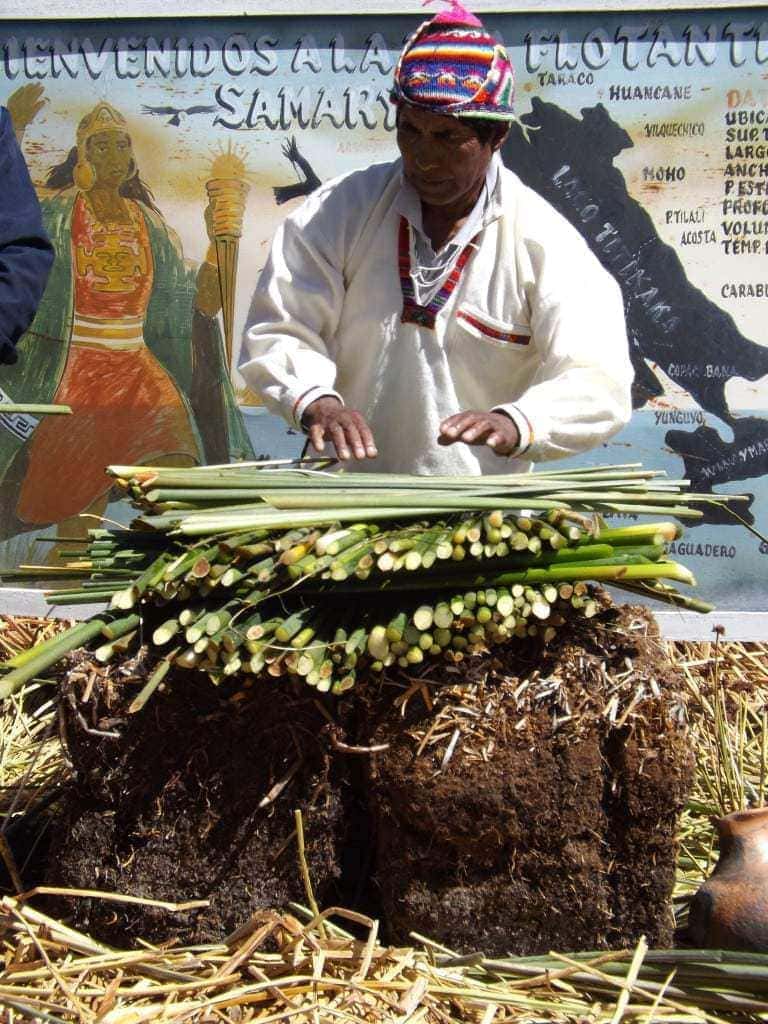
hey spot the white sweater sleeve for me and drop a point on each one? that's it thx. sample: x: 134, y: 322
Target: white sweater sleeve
x: 294, y: 314
x: 581, y: 394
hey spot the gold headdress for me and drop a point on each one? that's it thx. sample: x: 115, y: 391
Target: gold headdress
x: 103, y: 118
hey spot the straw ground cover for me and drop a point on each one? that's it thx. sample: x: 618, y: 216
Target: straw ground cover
x: 32, y: 764
x: 727, y: 686
x: 290, y: 965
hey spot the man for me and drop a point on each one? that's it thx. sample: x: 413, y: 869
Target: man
x: 433, y: 315
x: 26, y: 254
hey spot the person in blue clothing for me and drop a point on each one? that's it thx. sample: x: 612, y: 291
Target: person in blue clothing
x: 26, y: 253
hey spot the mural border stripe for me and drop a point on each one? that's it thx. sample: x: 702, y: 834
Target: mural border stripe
x: 52, y: 10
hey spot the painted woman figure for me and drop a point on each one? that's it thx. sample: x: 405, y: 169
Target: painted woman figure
x: 126, y: 335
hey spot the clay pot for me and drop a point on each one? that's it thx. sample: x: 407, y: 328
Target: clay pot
x: 730, y: 910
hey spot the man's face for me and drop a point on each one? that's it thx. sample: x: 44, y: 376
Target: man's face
x: 443, y: 158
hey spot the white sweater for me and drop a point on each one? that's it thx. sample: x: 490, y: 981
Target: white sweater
x: 325, y: 319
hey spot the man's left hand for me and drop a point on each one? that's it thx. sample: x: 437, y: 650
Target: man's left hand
x: 496, y: 430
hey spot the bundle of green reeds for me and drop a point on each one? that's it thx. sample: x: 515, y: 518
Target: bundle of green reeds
x: 315, y: 575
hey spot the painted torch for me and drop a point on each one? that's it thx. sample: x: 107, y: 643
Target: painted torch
x: 227, y: 190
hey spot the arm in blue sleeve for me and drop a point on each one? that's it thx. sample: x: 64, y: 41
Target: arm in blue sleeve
x: 26, y: 254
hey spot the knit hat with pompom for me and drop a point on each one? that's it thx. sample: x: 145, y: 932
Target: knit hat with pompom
x: 452, y: 65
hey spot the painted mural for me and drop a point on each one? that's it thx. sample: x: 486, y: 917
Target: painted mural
x: 166, y: 154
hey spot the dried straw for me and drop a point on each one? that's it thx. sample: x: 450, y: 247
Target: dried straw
x: 305, y: 967
x: 727, y: 686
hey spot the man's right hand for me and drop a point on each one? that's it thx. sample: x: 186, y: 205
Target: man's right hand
x: 326, y: 419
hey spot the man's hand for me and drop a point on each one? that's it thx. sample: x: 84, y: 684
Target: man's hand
x: 326, y: 419
x: 496, y: 430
